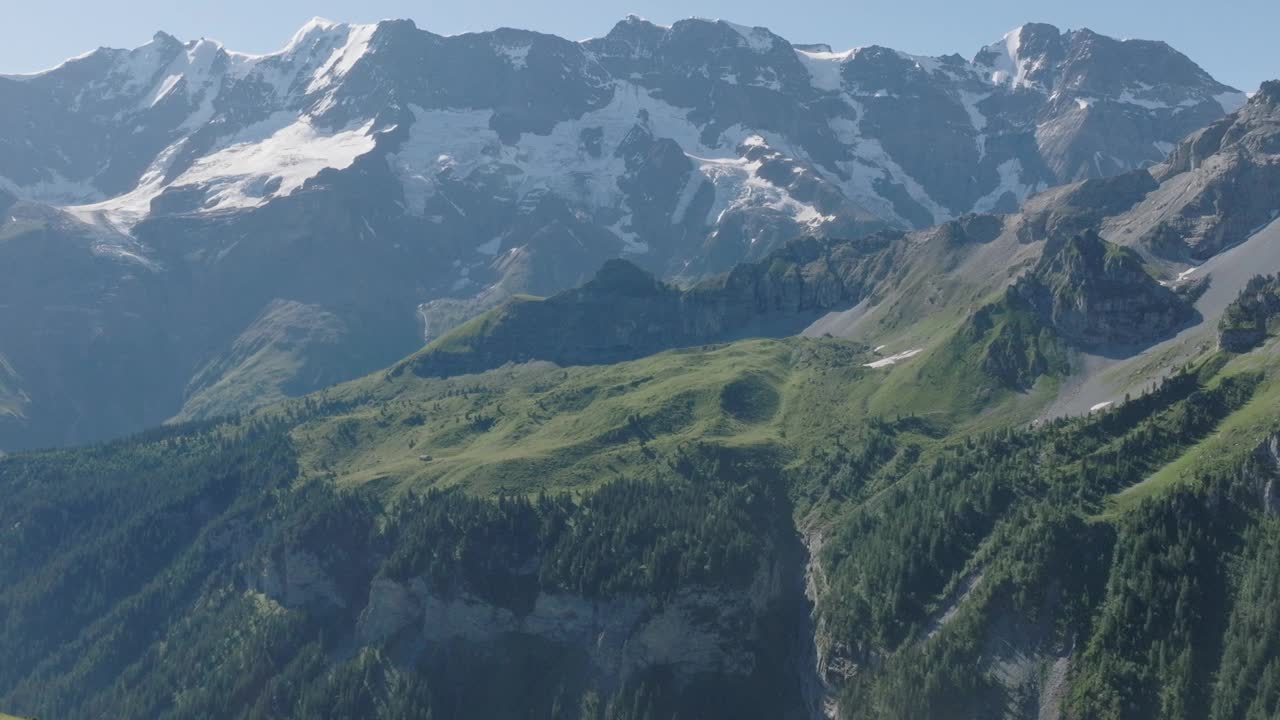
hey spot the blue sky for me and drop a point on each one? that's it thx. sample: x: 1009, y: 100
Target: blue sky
x: 1233, y: 39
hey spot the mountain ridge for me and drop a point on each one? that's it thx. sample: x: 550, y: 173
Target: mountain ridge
x: 998, y: 466
x: 361, y: 173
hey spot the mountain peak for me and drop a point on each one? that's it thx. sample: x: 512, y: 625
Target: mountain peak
x: 1268, y: 94
x: 756, y: 37
x: 1023, y: 55
x: 320, y: 23
x: 316, y: 27
x: 633, y: 25
x: 634, y: 32
x: 620, y: 276
x: 1096, y: 294
x: 633, y: 19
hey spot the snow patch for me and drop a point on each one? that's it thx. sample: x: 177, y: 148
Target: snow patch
x: 163, y: 89
x: 825, y: 68
x: 121, y: 213
x: 970, y: 101
x: 757, y: 38
x: 894, y: 359
x: 313, y: 27
x: 692, y: 185
x: 55, y: 190
x: 739, y: 188
x: 126, y: 253
x: 872, y: 164
x: 1010, y: 172
x: 631, y: 242
x: 456, y: 143
x: 1102, y: 406
x: 1009, y: 68
x: 293, y: 154
x: 517, y: 55
x: 344, y: 58
x: 1128, y: 98
x: 281, y: 151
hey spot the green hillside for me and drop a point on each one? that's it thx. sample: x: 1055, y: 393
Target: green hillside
x: 950, y: 545
x: 746, y: 529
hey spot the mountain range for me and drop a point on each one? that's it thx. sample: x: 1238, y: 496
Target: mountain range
x: 1014, y: 458
x: 188, y: 231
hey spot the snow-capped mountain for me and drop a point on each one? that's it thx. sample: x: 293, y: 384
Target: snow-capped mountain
x: 665, y: 139
x: 254, y: 208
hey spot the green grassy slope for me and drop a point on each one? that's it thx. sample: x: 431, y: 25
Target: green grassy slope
x: 531, y: 428
x: 934, y: 520
x: 956, y: 550
x: 1233, y: 439
x: 463, y: 338
x: 539, y: 427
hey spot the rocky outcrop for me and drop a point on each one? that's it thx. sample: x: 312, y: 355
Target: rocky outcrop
x: 295, y: 579
x: 1080, y: 207
x: 696, y: 631
x: 1219, y: 186
x: 1098, y: 296
x: 1246, y: 321
x: 13, y: 400
x: 1024, y: 654
x: 1263, y: 470
x: 832, y: 662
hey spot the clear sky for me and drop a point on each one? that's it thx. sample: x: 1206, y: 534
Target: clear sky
x: 1235, y: 40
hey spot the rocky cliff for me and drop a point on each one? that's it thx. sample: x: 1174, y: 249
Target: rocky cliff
x: 1219, y: 185
x: 1097, y: 295
x: 1246, y: 321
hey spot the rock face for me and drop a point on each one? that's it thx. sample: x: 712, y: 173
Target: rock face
x: 1219, y: 186
x: 1266, y: 469
x: 697, y: 632
x: 296, y: 578
x: 385, y: 182
x: 1084, y: 206
x: 13, y: 399
x: 1097, y: 295
x: 1245, y: 322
